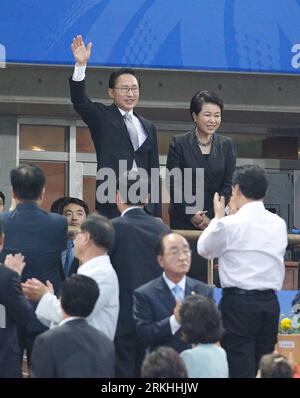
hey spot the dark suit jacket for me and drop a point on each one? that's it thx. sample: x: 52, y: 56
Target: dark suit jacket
x: 112, y: 142
x: 73, y: 269
x: 133, y: 258
x: 73, y: 350
x: 18, y: 312
x: 184, y: 153
x: 154, y: 304
x: 40, y: 237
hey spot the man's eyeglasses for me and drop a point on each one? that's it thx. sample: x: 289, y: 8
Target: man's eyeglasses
x: 177, y: 252
x: 126, y: 89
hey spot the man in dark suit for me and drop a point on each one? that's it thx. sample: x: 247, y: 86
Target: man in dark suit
x: 117, y: 131
x: 134, y: 260
x: 74, y: 349
x: 76, y: 211
x: 157, y: 303
x: 38, y: 235
x: 14, y: 310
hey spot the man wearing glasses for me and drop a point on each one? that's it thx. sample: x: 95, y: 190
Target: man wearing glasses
x: 118, y: 132
x: 157, y: 303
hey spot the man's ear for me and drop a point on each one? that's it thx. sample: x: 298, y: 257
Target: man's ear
x: 160, y: 261
x: 1, y: 241
x: 42, y: 195
x: 13, y: 193
x: 110, y: 92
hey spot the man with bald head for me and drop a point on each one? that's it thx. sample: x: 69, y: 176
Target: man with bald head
x: 157, y: 303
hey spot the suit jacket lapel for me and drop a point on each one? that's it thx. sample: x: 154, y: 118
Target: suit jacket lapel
x: 165, y: 294
x: 196, y: 150
x: 189, y: 286
x: 118, y: 121
x: 146, y: 130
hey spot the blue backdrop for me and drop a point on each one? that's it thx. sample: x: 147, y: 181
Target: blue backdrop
x: 225, y: 35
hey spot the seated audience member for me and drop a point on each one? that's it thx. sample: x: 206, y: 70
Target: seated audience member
x: 201, y: 326
x: 2, y: 201
x: 163, y: 363
x: 274, y: 366
x: 74, y: 349
x: 91, y: 247
x: 134, y: 260
x: 15, y: 311
x: 76, y: 211
x: 157, y: 303
x: 38, y: 235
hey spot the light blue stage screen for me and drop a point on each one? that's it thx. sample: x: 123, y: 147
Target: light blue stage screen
x: 215, y: 35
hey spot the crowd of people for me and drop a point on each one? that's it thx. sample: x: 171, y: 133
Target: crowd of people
x: 111, y: 294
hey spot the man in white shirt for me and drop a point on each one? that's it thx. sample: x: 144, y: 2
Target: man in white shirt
x: 91, y: 247
x: 118, y: 132
x: 250, y: 247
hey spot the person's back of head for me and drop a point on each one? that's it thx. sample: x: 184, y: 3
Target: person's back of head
x: 252, y: 181
x: 200, y: 320
x: 28, y: 182
x: 274, y: 366
x: 79, y: 294
x: 163, y: 362
x: 100, y: 230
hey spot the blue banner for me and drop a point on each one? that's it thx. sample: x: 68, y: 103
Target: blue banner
x: 215, y: 35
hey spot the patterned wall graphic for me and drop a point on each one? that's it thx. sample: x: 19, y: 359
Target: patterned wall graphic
x: 225, y: 35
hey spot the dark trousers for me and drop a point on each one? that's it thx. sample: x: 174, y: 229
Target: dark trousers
x: 129, y: 356
x: 251, y: 326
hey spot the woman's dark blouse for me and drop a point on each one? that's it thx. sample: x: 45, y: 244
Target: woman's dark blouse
x: 219, y: 165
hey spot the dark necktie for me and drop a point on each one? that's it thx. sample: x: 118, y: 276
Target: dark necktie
x: 69, y: 258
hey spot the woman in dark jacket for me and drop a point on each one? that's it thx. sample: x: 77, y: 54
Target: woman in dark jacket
x: 202, y: 148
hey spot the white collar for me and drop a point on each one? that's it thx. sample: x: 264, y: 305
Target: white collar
x: 130, y: 208
x: 171, y: 284
x: 104, y: 258
x: 71, y: 318
x: 124, y: 112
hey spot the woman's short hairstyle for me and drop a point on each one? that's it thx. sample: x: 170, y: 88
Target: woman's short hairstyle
x: 200, y: 320
x: 204, y: 97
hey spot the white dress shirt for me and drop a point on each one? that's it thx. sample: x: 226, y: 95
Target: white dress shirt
x: 173, y: 323
x: 250, y: 247
x: 79, y: 75
x: 104, y: 316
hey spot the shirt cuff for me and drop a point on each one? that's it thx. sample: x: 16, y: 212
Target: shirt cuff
x: 49, y: 308
x: 79, y: 73
x: 174, y: 325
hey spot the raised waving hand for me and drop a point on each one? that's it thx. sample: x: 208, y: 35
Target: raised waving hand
x: 81, y: 52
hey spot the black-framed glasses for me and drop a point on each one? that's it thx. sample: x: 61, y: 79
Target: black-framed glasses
x: 126, y: 89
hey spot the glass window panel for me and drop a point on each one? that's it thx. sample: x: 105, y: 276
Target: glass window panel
x: 265, y: 147
x: 84, y: 142
x: 89, y: 187
x: 43, y: 138
x: 55, y: 181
